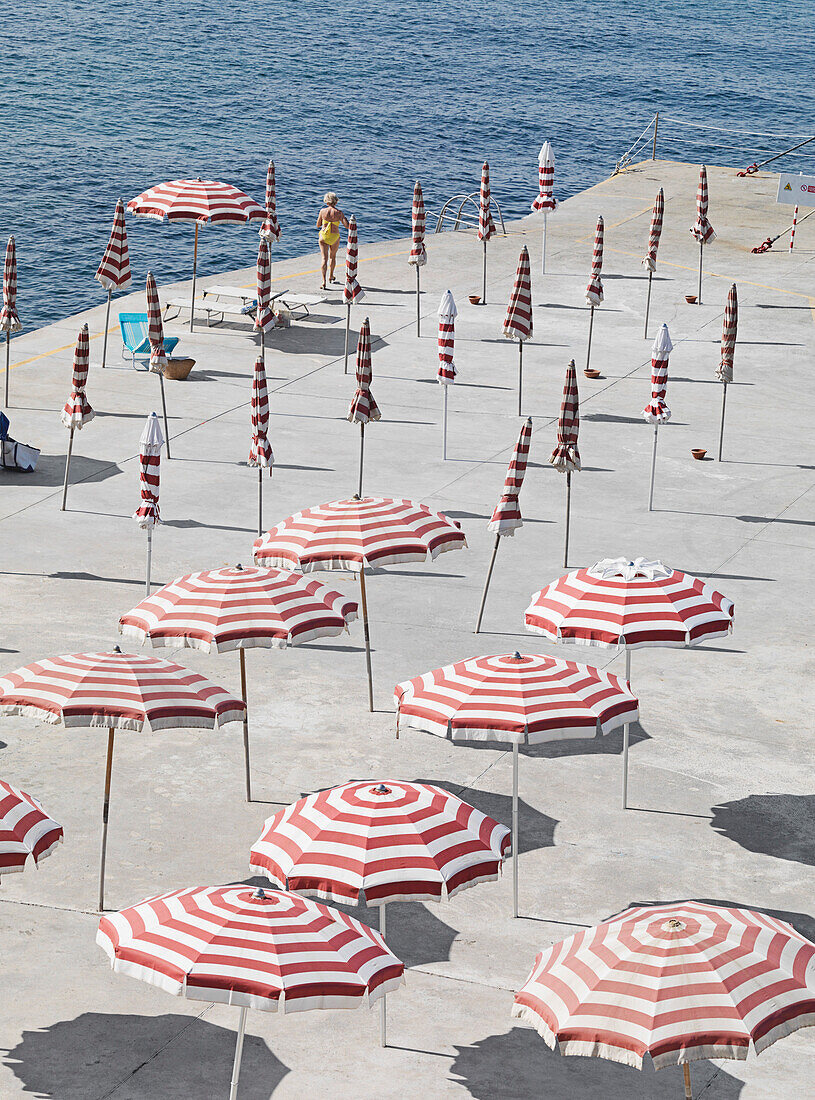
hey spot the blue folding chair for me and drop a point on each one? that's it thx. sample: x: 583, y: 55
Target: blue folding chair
x: 134, y: 328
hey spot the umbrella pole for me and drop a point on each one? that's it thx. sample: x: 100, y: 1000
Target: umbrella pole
x: 487, y: 585
x: 418, y: 304
x: 68, y: 467
x: 149, y: 559
x: 653, y: 469
x: 383, y: 1009
x: 105, y: 334
x: 164, y: 412
x: 260, y: 501
x: 591, y: 326
x: 543, y: 262
x: 364, y: 602
x: 568, y: 515
x: 105, y: 809
x: 444, y: 429
x: 242, y: 653
x: 515, y: 837
x: 194, y: 271
x: 484, y: 277
x: 701, y: 253
x: 686, y: 1076
x: 361, y: 456
x: 721, y: 428
x: 347, y: 333
x: 8, y: 353
x: 520, y: 373
x: 236, y: 1065
x: 626, y: 731
x: 648, y: 304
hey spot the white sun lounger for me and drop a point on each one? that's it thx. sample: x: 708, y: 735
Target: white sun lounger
x: 210, y: 306
x: 294, y: 303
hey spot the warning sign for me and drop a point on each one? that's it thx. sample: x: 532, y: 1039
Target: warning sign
x: 796, y: 190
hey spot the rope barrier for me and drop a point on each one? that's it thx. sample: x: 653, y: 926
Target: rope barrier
x: 727, y: 130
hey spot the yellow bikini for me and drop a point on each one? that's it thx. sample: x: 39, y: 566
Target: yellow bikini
x: 329, y: 233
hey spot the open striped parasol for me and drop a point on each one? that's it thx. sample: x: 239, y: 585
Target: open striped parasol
x: 26, y: 830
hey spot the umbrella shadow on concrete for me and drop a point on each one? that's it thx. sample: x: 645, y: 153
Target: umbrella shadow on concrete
x: 50, y: 470
x: 610, y: 744
x: 779, y: 825
x: 172, y: 1055
x: 519, y: 1064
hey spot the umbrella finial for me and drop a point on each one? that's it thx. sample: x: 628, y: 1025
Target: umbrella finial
x: 380, y: 788
x: 116, y: 649
x: 239, y: 567
x: 259, y: 894
x: 516, y: 656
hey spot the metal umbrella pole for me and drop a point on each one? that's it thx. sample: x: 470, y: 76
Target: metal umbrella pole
x: 68, y: 467
x: 418, y: 305
x: 105, y: 334
x: 591, y: 326
x: 236, y: 1065
x: 653, y: 469
x: 568, y: 514
x: 444, y: 428
x: 721, y: 427
x: 515, y: 836
x: 8, y: 368
x: 648, y: 304
x: 701, y: 254
x: 520, y: 373
x: 260, y: 501
x: 361, y: 456
x: 347, y: 332
x: 149, y: 558
x: 192, y: 292
x: 487, y: 585
x: 626, y: 729
x: 164, y: 412
x: 383, y: 1010
x: 543, y: 261
x: 105, y: 810
x: 484, y: 276
x: 364, y: 603
x: 242, y: 653
x: 686, y: 1078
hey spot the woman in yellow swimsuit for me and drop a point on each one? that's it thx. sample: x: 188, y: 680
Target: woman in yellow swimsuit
x: 329, y: 221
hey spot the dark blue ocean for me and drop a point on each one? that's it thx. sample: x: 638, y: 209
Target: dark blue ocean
x: 101, y: 100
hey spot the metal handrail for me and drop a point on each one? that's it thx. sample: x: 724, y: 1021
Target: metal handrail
x: 460, y: 215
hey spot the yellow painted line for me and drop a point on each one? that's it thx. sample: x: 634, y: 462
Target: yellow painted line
x: 630, y: 218
x: 317, y: 270
x: 54, y: 351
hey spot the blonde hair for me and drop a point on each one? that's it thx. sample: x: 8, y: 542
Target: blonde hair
x: 330, y: 199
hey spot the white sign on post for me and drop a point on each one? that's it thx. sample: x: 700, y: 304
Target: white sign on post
x: 796, y: 190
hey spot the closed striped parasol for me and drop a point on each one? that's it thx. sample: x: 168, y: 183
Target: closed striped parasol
x: 150, y: 446
x: 9, y: 317
x: 566, y: 457
x: 264, y: 317
x: 518, y: 320
x: 356, y: 535
x: 545, y: 203
x: 418, y: 252
x: 519, y: 699
x: 446, y: 374
x: 158, y: 354
x: 486, y: 226
x: 352, y: 291
x: 114, y: 270
x: 77, y: 409
x: 594, y: 291
x: 119, y: 690
x: 650, y: 258
x: 26, y: 830
x: 724, y: 372
x: 363, y: 408
x: 270, y: 230
x: 679, y: 982
x: 702, y: 230
x: 656, y: 412
x: 260, y: 453
x: 506, y: 517
x: 267, y: 950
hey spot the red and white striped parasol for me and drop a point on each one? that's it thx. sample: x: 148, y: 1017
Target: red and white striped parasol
x: 150, y: 446
x: 724, y: 372
x: 270, y: 230
x: 260, y: 453
x: 518, y: 321
x: 545, y: 203
x: 121, y: 691
x: 363, y: 408
x: 356, y: 535
x: 679, y: 982
x: 264, y: 317
x: 158, y: 355
x: 701, y: 230
x: 199, y: 201
x: 77, y: 409
x: 594, y: 291
x: 25, y: 830
x: 656, y: 412
x: 446, y: 374
x: 267, y: 950
x: 566, y: 457
x: 418, y: 252
x: 506, y: 517
x: 650, y: 258
x: 352, y: 291
x: 9, y: 317
x: 114, y: 270
x: 486, y: 226
x: 519, y: 699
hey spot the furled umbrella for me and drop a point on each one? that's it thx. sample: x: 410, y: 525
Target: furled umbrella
x: 263, y: 949
x: 418, y: 252
x: 545, y: 203
x: 199, y: 201
x: 506, y: 517
x: 147, y: 515
x: 26, y: 830
x: 355, y: 535
x: 523, y: 699
x: 270, y: 230
x: 9, y: 318
x: 352, y: 291
x: 114, y: 270
x: 594, y: 291
x: 680, y: 982
x: 228, y: 609
x: 446, y: 374
x: 369, y: 843
x: 363, y: 408
x: 77, y: 409
x: 624, y: 604
x: 724, y: 372
x: 486, y: 226
x: 650, y: 259
x: 158, y: 355
x: 566, y: 457
x: 260, y: 453
x: 518, y: 321
x: 118, y: 690
x: 264, y: 317
x: 656, y: 412
x: 701, y: 229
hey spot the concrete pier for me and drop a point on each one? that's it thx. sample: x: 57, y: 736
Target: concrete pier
x: 721, y: 764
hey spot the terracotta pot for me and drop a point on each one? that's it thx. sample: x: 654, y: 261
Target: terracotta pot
x: 475, y: 299
x: 690, y: 299
x: 591, y: 373
x: 699, y: 452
